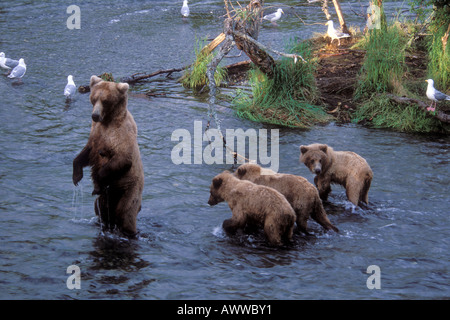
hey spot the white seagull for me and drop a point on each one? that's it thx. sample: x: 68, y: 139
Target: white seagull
x: 274, y: 16
x: 70, y: 88
x: 434, y: 95
x: 7, y: 63
x: 334, y: 34
x: 185, y: 9
x: 19, y: 70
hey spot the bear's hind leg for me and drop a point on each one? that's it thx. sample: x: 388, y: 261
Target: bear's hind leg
x: 103, y: 211
x: 126, y: 213
x: 353, y: 190
x: 320, y: 216
x: 365, y: 192
x: 302, y: 221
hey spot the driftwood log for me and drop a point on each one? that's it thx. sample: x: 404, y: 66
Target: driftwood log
x: 440, y: 115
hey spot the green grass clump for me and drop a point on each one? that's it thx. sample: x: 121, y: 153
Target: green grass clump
x: 195, y: 76
x: 438, y: 58
x: 382, y: 112
x: 288, y: 98
x: 384, y: 63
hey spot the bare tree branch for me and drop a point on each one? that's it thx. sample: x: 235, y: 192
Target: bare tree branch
x: 260, y: 45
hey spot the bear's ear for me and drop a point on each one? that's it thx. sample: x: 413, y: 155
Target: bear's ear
x: 241, y: 172
x: 94, y: 81
x: 303, y: 149
x: 123, y: 87
x: 323, y: 148
x: 217, y: 182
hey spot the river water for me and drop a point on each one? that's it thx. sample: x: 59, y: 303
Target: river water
x: 47, y: 224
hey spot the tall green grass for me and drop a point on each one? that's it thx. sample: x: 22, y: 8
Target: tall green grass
x: 288, y: 97
x: 438, y: 58
x: 195, y: 76
x: 384, y: 63
x: 382, y: 112
x: 383, y: 73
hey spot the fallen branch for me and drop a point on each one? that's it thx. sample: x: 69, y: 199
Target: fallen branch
x: 440, y: 115
x: 263, y: 47
x: 139, y: 76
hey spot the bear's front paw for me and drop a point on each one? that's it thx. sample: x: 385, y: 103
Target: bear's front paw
x: 77, y: 176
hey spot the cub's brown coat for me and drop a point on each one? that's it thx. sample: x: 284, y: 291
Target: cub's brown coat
x: 342, y: 167
x: 253, y: 205
x: 301, y: 194
x: 113, y: 154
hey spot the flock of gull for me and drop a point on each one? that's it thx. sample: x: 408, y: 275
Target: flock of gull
x: 18, y: 68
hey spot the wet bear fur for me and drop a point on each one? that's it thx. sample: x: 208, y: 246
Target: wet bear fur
x: 341, y: 167
x: 299, y: 192
x: 113, y: 154
x: 253, y: 205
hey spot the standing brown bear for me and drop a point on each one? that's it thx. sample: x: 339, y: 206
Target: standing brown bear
x: 342, y: 167
x: 301, y: 194
x: 253, y: 205
x: 113, y: 154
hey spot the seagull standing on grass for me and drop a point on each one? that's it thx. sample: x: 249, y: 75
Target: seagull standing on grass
x: 334, y: 34
x: 7, y: 63
x: 70, y: 88
x: 434, y: 95
x: 185, y: 9
x: 19, y: 70
x: 274, y: 16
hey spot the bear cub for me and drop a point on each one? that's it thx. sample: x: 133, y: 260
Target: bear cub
x: 113, y: 154
x: 253, y: 205
x: 341, y: 167
x: 298, y: 191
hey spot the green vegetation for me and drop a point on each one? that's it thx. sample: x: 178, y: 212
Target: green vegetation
x: 385, y: 113
x: 439, y: 49
x: 288, y: 98
x: 195, y: 76
x: 384, y: 63
x: 384, y: 72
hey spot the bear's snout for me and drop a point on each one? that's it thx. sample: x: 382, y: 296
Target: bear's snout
x: 96, y: 117
x: 213, y: 200
x: 97, y: 112
x: 317, y: 168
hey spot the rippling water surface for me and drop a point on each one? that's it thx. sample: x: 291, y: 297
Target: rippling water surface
x: 47, y: 224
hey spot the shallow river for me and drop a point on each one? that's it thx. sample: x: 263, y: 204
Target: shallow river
x: 47, y: 224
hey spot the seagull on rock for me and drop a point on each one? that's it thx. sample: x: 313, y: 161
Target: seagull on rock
x: 274, y: 16
x: 19, y: 71
x: 434, y: 95
x: 70, y: 88
x: 185, y: 9
x: 7, y: 63
x: 334, y: 34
